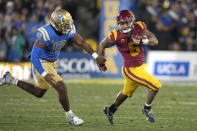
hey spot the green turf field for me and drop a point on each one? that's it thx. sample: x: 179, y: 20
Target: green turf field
x: 175, y: 108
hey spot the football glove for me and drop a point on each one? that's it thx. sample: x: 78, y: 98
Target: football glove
x: 102, y: 67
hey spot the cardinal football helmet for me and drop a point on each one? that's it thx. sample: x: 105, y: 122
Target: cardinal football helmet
x: 62, y: 21
x: 125, y: 16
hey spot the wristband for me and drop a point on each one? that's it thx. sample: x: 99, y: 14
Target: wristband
x: 94, y: 55
x: 44, y: 74
x: 145, y: 41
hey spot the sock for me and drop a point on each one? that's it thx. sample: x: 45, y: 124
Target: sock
x: 113, y: 108
x: 147, y: 106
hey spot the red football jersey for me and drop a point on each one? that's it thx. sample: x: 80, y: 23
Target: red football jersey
x: 132, y: 54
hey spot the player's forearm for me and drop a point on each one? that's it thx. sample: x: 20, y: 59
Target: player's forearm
x: 152, y: 41
x: 35, y: 55
x: 151, y: 38
x: 101, y: 50
x: 81, y: 42
x: 87, y: 48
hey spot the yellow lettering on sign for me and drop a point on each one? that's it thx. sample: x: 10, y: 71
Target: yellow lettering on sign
x: 112, y: 51
x: 107, y: 24
x: 110, y: 13
x: 111, y: 8
x: 111, y: 66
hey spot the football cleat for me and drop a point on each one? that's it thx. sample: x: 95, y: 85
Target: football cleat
x: 75, y: 121
x: 148, y: 114
x: 2, y: 81
x: 109, y: 115
x: 9, y: 79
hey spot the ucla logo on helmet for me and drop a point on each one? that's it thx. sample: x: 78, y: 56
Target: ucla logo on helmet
x: 59, y: 17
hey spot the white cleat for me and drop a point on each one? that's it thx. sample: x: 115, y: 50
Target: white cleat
x: 9, y: 79
x: 76, y: 121
x: 2, y: 81
x: 73, y: 119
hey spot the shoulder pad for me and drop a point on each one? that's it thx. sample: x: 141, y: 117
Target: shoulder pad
x: 43, y: 34
x: 141, y: 24
x: 113, y: 35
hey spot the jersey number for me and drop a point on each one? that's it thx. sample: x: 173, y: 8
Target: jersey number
x: 134, y: 50
x: 58, y: 46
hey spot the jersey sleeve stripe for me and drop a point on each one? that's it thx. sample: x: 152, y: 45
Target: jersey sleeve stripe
x: 141, y: 24
x: 45, y: 34
x: 115, y: 34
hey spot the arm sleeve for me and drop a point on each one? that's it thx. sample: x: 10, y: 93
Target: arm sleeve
x: 35, y: 55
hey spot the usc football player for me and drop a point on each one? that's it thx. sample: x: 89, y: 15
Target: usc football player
x: 50, y: 39
x: 130, y: 38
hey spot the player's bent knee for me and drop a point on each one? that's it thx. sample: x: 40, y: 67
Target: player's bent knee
x: 40, y: 92
x: 127, y: 93
x: 156, y: 90
x: 39, y: 95
x: 158, y: 86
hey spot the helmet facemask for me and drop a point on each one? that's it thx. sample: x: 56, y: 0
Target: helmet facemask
x: 67, y: 28
x: 129, y: 28
x: 125, y: 17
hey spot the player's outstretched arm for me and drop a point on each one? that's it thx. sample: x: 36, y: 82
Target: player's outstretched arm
x: 106, y: 43
x: 81, y: 42
x: 152, y: 39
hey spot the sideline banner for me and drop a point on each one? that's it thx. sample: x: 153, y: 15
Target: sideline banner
x: 77, y: 65
x: 21, y: 71
x: 109, y: 11
x: 172, y: 65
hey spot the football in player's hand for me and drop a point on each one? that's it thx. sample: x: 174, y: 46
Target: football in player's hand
x: 137, y: 38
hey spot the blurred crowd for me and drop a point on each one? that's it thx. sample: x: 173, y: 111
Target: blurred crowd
x: 174, y: 22
x: 19, y: 20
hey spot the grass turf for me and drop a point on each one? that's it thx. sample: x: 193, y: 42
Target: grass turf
x: 175, y: 108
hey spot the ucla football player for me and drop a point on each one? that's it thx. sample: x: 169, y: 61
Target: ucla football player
x: 50, y: 39
x: 130, y: 39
